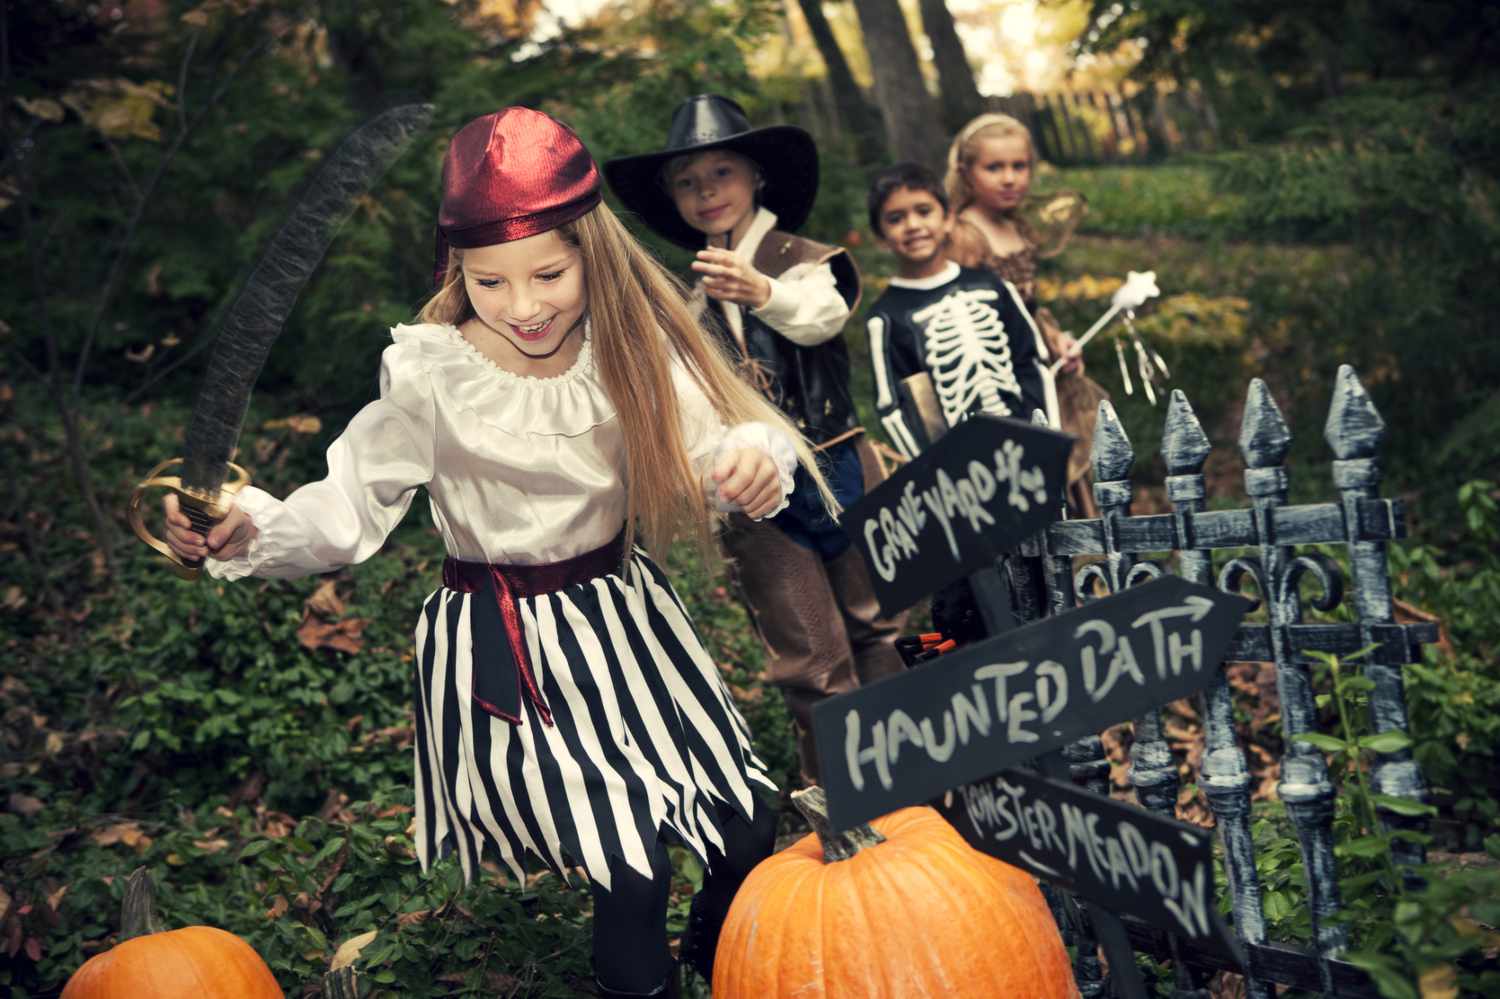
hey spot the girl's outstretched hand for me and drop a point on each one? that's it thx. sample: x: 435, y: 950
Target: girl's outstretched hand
x: 747, y: 477
x: 229, y: 537
x: 730, y: 279
x: 1067, y: 348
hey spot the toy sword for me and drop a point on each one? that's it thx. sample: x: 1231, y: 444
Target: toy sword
x: 255, y: 320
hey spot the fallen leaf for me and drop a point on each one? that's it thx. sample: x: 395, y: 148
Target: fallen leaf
x: 24, y: 805
x: 42, y: 107
x: 1439, y: 982
x: 33, y: 948
x: 408, y: 918
x: 211, y: 845
x: 343, y: 636
x: 302, y: 423
x: 140, y: 355
x: 349, y: 950
x: 278, y: 907
x: 14, y: 598
x: 325, y: 601
x: 55, y: 899
x: 126, y: 833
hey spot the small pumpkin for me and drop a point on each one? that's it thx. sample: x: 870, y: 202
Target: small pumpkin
x: 196, y: 962
x: 902, y: 910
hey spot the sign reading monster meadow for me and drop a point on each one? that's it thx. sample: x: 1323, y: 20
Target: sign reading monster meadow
x: 986, y: 485
x: 1157, y: 869
x: 1002, y: 701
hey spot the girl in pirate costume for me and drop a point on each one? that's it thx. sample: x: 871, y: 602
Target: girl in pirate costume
x: 990, y: 166
x: 554, y: 393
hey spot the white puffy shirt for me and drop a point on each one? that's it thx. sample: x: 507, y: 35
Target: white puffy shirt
x: 518, y: 470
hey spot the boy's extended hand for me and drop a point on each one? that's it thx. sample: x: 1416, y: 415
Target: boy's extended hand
x: 229, y: 537
x: 748, y: 478
x: 730, y: 279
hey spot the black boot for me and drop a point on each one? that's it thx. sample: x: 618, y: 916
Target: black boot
x: 668, y: 989
x: 700, y: 940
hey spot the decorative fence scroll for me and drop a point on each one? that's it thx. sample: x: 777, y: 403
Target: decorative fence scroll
x: 1277, y: 535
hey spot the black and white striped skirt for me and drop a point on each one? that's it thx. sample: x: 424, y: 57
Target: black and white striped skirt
x: 646, y: 737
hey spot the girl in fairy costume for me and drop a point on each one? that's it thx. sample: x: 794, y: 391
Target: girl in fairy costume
x: 991, y: 163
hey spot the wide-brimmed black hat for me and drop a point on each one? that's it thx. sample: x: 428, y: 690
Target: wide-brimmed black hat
x: 785, y: 154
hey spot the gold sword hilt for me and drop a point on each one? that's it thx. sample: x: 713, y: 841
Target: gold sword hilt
x: 203, y: 509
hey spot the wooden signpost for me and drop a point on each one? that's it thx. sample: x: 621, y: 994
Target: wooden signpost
x: 963, y: 722
x: 1112, y: 853
x: 988, y: 483
x: 1010, y: 698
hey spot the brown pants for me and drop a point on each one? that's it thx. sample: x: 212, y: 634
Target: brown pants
x: 819, y: 620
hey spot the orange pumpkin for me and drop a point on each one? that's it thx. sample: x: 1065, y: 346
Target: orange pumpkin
x: 197, y: 962
x: 902, y: 911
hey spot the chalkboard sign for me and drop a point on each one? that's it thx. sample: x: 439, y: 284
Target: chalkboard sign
x: 986, y: 485
x: 908, y: 738
x: 1120, y: 856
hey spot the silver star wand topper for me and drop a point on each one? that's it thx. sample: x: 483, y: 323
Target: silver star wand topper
x: 1130, y: 296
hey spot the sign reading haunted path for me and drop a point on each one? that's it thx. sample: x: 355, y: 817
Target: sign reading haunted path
x: 1122, y: 857
x: 981, y: 489
x: 999, y: 702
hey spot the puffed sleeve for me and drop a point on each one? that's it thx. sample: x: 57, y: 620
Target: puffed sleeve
x: 707, y: 438
x: 374, y: 469
x: 805, y: 305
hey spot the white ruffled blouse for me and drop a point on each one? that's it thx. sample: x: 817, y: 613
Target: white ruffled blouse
x: 518, y: 470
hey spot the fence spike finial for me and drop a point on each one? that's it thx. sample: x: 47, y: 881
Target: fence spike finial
x: 1354, y: 428
x: 1264, y: 437
x: 1184, y: 445
x: 1111, y: 453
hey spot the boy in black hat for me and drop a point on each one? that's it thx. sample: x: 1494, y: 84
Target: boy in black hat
x: 779, y: 303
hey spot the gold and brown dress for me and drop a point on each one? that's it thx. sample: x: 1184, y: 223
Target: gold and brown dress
x: 1078, y: 395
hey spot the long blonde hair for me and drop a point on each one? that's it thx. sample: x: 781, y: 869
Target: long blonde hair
x: 639, y: 319
x: 965, y: 147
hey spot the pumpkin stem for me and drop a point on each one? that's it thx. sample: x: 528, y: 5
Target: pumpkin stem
x: 138, y: 911
x: 838, y: 844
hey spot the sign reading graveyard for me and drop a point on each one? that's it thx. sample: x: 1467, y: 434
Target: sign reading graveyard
x: 1120, y: 856
x: 999, y: 702
x: 986, y: 485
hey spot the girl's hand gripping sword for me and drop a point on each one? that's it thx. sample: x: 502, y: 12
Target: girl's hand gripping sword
x: 1127, y: 298
x: 255, y: 319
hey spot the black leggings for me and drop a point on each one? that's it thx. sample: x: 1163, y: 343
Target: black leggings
x: 630, y: 919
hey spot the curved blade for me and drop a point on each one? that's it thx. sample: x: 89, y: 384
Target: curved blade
x: 255, y: 319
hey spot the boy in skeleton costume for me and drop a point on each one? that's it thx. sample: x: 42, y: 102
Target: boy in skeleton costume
x: 778, y: 303
x: 966, y: 329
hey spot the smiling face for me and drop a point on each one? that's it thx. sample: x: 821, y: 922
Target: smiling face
x: 714, y: 192
x: 1000, y: 172
x: 530, y: 291
x: 914, y: 226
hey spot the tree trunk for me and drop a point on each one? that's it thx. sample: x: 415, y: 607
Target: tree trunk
x: 960, y: 95
x: 858, y: 117
x: 912, y: 125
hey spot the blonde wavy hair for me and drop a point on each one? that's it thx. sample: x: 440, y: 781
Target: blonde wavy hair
x: 965, y: 148
x: 639, y: 318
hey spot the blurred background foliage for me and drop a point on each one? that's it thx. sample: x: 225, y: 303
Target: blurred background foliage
x: 252, y: 742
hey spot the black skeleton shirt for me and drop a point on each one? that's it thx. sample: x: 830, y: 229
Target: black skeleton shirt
x: 966, y: 329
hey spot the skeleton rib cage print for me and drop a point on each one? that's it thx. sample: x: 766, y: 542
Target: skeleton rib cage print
x: 968, y: 353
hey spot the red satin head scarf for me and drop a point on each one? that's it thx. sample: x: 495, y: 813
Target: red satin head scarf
x: 508, y: 175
